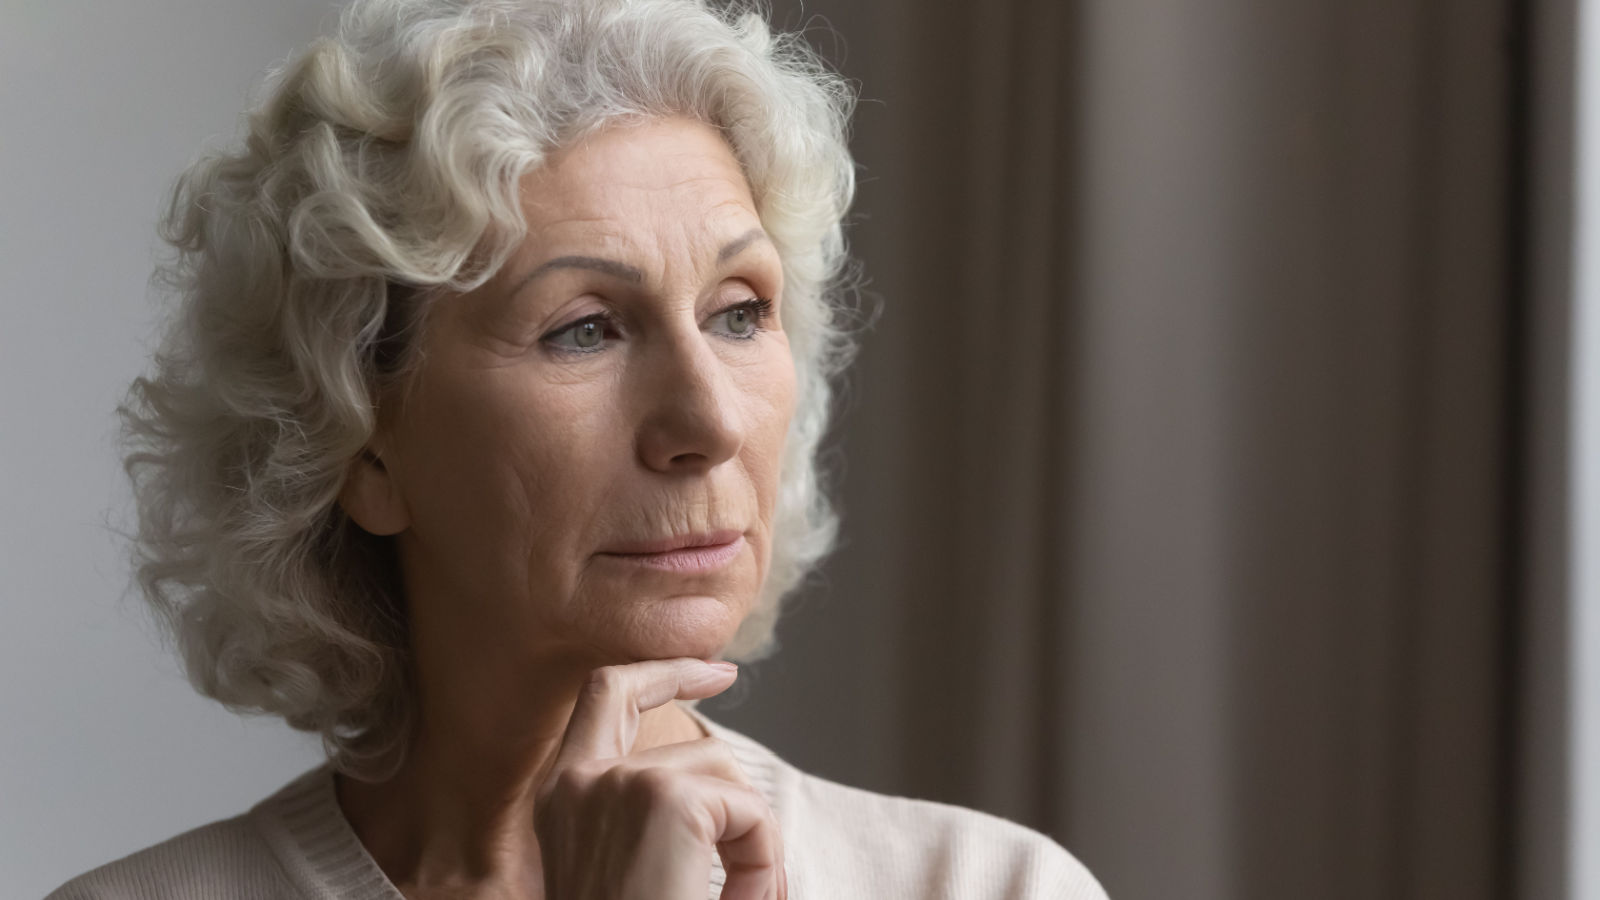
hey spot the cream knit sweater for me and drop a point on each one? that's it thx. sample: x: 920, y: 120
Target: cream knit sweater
x: 840, y: 843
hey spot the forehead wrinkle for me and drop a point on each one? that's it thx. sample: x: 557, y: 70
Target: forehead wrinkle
x: 597, y: 223
x: 659, y: 248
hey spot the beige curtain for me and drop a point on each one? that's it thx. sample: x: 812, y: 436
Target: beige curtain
x: 1182, y: 473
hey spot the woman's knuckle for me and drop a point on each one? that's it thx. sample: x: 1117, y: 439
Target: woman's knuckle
x: 658, y: 787
x: 611, y: 781
x: 569, y: 784
x: 724, y: 754
x: 605, y: 681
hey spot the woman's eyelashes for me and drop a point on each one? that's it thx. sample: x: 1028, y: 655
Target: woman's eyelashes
x: 744, y: 320
x: 753, y: 315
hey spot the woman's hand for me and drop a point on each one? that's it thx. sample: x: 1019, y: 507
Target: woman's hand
x: 643, y: 827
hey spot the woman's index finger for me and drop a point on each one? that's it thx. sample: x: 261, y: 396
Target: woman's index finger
x: 605, y: 719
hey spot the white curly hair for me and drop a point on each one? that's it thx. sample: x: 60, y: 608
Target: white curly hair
x: 380, y: 173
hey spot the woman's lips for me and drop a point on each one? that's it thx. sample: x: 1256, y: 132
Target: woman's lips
x: 686, y: 559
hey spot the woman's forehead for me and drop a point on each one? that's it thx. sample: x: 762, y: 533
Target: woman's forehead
x: 620, y: 173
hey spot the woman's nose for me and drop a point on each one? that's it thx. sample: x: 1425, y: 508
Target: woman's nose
x: 692, y: 420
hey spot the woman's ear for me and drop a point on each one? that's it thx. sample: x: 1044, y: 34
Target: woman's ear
x: 371, y: 497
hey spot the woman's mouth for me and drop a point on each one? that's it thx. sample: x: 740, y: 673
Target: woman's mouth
x: 702, y: 558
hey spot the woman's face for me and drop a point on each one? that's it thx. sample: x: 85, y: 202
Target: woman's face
x: 531, y: 446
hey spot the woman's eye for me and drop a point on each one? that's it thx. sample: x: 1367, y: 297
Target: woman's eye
x: 589, y: 334
x: 583, y: 336
x: 746, y: 320
x: 742, y: 321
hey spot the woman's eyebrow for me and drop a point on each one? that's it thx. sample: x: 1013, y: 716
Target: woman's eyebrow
x: 625, y: 272
x: 733, y: 247
x: 611, y: 267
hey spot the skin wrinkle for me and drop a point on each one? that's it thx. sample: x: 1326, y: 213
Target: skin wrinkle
x: 514, y: 463
x: 622, y: 270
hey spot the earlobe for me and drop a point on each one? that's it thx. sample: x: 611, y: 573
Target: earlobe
x: 371, y: 497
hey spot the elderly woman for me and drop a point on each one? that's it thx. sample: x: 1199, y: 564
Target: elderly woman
x: 485, y: 429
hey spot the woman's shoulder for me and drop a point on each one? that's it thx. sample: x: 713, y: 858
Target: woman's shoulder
x: 226, y: 858
x: 230, y: 857
x: 942, y: 849
x: 840, y: 838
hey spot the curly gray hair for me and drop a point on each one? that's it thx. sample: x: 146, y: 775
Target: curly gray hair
x: 380, y: 173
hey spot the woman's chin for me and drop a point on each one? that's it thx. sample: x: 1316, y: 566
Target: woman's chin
x: 687, y: 625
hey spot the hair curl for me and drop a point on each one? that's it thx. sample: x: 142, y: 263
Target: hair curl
x: 380, y: 172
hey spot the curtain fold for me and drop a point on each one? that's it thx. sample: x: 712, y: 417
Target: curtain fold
x: 1179, y: 471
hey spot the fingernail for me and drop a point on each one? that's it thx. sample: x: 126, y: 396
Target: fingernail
x: 723, y: 666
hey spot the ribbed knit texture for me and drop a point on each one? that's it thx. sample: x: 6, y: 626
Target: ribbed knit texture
x: 840, y: 843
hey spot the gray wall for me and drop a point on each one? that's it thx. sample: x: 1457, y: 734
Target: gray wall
x: 102, y: 104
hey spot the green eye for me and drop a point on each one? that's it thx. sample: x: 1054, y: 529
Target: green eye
x: 745, y: 319
x: 588, y: 334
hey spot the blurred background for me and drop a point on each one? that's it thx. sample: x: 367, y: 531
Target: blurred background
x: 1221, y: 479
